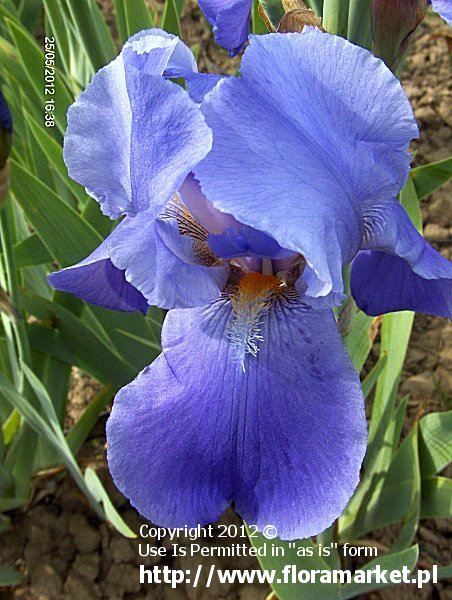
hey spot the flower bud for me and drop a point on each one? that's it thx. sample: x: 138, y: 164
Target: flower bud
x: 393, y: 23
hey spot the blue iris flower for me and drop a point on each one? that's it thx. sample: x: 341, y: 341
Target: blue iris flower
x: 230, y: 21
x: 240, y: 213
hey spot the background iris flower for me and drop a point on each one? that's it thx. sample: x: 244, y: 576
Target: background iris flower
x: 254, y: 399
x: 6, y: 127
x: 230, y: 21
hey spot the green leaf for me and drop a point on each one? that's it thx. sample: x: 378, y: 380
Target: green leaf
x: 316, y: 6
x: 30, y: 53
x: 139, y: 347
x: 92, y: 32
x: 11, y: 65
x: 335, y: 16
x: 8, y: 577
x: 54, y: 154
x: 358, y: 341
x: 8, y: 9
x: 29, y: 12
x: 397, y: 495
x: 92, y: 214
x: 435, y: 442
x: 97, y: 489
x: 395, y: 334
x: 411, y: 519
x: 80, y: 431
x: 31, y: 251
x: 359, y: 26
x: 429, y: 178
x: 7, y: 504
x: 42, y: 427
x: 98, y: 358
x: 38, y: 163
x: 392, y: 562
x: 62, y: 230
x: 381, y: 450
x: 436, y: 501
x: 72, y: 55
x: 44, y: 399
x: 132, y: 16
x: 7, y: 483
x: 10, y: 426
x: 149, y: 343
x: 55, y: 376
x: 354, y: 522
x: 50, y: 343
x: 170, y: 19
x: 445, y: 572
x: 410, y: 202
x: 372, y: 377
x: 57, y: 22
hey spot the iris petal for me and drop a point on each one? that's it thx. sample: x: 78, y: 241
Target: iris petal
x: 402, y: 271
x: 230, y: 21
x: 382, y: 283
x: 200, y: 84
x: 95, y: 279
x: 212, y: 219
x: 129, y: 122
x: 322, y: 132
x: 165, y: 266
x: 246, y: 241
x: 284, y: 438
x: 161, y: 51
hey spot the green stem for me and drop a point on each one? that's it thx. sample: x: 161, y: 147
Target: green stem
x: 335, y: 16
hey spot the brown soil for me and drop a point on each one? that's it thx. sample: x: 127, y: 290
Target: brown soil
x: 65, y: 552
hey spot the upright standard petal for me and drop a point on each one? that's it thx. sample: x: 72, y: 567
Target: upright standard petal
x: 230, y: 21
x: 322, y: 132
x: 398, y: 269
x: 283, y: 434
x: 162, y: 53
x: 129, y: 122
x: 96, y: 280
x: 212, y: 219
